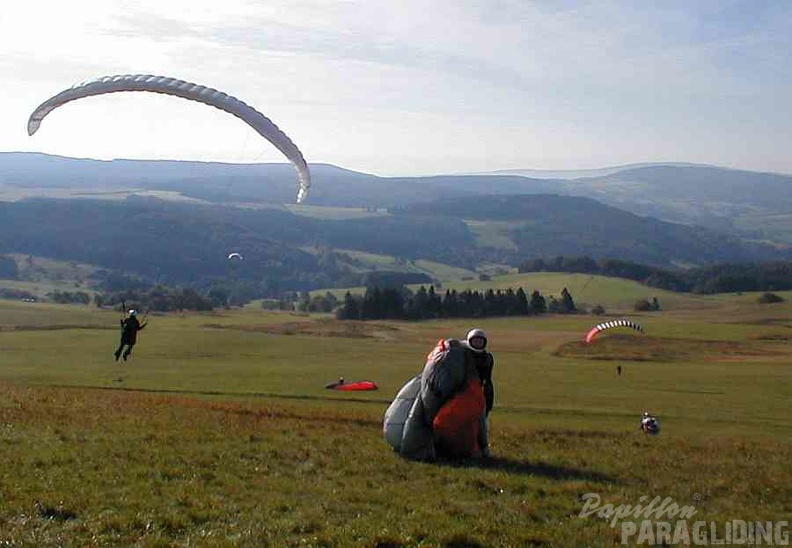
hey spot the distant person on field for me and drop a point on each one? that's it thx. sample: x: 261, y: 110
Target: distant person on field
x: 129, y: 330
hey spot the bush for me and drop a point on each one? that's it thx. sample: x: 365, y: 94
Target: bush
x: 767, y: 298
x: 598, y: 310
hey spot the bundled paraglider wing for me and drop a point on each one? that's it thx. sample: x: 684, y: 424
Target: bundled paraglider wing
x: 236, y: 256
x: 622, y: 322
x: 352, y: 386
x: 186, y: 90
x: 432, y: 406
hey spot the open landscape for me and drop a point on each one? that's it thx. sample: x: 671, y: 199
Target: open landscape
x: 330, y: 230
x: 219, y: 430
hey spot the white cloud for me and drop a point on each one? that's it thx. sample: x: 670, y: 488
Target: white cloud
x: 416, y: 87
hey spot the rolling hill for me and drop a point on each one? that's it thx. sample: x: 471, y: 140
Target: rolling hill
x: 132, y: 218
x: 747, y: 204
x: 182, y: 243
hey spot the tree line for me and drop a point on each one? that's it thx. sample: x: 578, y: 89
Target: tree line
x: 401, y: 303
x: 158, y: 298
x: 721, y: 278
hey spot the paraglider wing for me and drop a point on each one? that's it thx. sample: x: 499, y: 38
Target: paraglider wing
x: 591, y: 334
x: 186, y: 90
x: 235, y: 256
x: 597, y: 329
x: 353, y: 386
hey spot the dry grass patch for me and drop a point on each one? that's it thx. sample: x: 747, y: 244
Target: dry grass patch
x: 619, y: 347
x: 319, y: 328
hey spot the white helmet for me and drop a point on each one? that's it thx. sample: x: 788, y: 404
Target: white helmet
x: 650, y: 424
x: 133, y: 312
x: 476, y: 334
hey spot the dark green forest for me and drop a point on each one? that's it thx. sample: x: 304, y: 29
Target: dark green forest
x: 146, y: 242
x: 546, y: 225
x: 400, y: 303
x: 184, y: 243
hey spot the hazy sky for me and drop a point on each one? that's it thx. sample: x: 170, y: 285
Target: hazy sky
x: 413, y: 87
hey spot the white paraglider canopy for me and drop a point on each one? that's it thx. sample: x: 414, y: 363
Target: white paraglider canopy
x: 186, y: 90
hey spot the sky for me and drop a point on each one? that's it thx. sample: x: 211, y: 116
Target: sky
x: 413, y: 87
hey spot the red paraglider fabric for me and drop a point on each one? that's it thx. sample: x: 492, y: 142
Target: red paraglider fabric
x: 456, y: 426
x: 357, y: 385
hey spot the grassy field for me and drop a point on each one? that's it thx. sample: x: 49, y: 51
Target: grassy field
x: 218, y: 431
x: 334, y: 213
x: 617, y: 296
x: 39, y: 276
x: 493, y: 233
x: 359, y: 261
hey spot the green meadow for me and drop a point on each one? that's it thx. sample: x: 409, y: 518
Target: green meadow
x: 219, y: 431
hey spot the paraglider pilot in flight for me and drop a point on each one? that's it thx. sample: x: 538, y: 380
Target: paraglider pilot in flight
x: 129, y: 330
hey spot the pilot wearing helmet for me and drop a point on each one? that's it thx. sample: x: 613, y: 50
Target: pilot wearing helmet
x: 129, y: 329
x: 482, y: 361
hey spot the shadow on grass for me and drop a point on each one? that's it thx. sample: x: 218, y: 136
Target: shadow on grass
x: 527, y: 468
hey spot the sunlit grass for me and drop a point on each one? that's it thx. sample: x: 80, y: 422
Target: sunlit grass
x: 219, y: 431
x: 493, y: 234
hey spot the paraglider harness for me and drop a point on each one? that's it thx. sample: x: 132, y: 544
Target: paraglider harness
x: 440, y: 413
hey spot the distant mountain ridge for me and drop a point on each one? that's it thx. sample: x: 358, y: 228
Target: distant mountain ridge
x: 567, y: 174
x: 746, y: 204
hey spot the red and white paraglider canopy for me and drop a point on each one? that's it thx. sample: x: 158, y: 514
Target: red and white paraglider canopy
x: 622, y: 322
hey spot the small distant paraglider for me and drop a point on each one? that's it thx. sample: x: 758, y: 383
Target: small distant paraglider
x: 649, y: 424
x: 235, y: 257
x: 622, y: 322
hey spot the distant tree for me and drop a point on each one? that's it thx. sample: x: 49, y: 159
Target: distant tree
x: 303, y: 301
x: 350, y: 309
x: 320, y: 303
x: 433, y: 303
x: 522, y: 302
x: 16, y: 294
x: 598, y: 310
x: 490, y: 303
x: 69, y: 297
x: 567, y: 302
x: 642, y: 305
x: 538, y: 303
x: 8, y: 268
x: 270, y: 304
x: 451, y: 304
x: 219, y: 296
x: 418, y: 307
